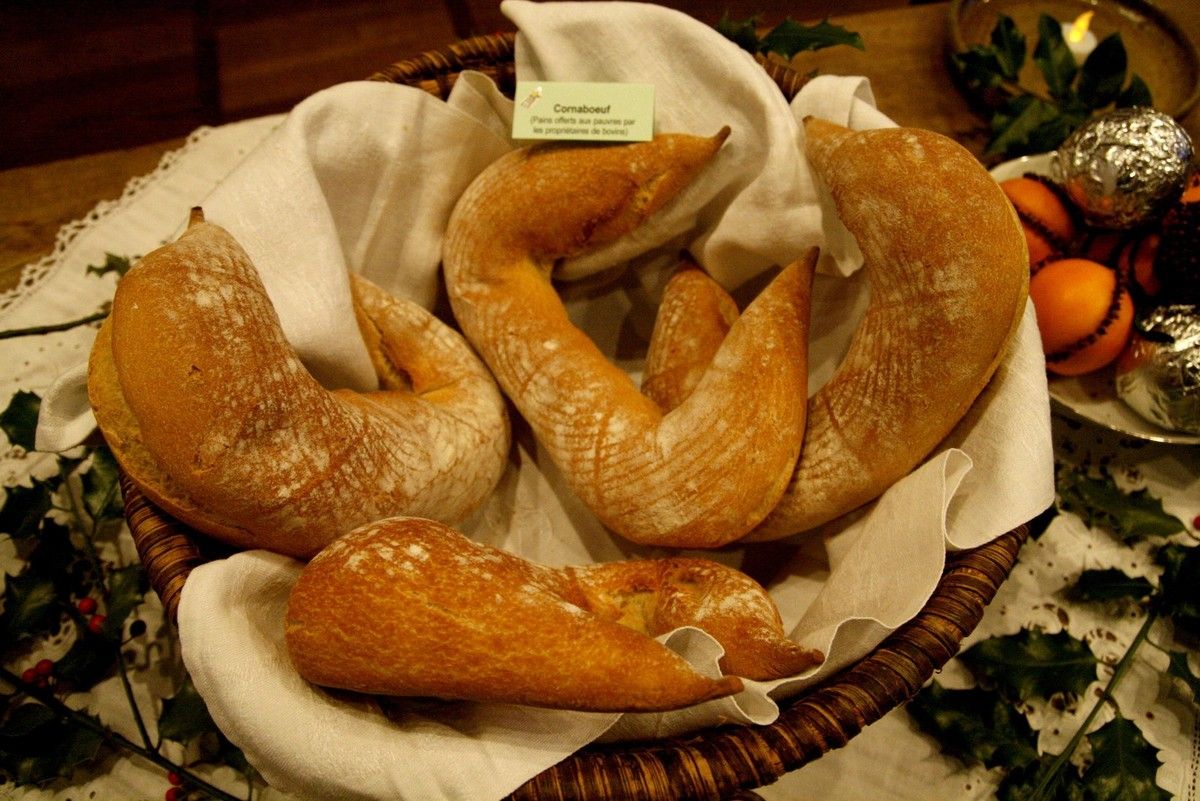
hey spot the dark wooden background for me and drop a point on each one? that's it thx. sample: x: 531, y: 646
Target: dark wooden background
x: 81, y: 76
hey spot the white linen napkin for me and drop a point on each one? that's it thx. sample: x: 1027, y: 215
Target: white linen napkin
x: 362, y: 177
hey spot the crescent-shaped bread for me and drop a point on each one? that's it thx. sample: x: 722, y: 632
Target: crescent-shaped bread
x: 699, y: 475
x: 949, y: 276
x: 410, y: 607
x: 211, y: 413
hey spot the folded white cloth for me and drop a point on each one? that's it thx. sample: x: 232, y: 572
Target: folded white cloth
x: 362, y: 177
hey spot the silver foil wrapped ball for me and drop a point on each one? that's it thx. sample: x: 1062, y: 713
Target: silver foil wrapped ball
x: 1121, y: 168
x: 1158, y: 376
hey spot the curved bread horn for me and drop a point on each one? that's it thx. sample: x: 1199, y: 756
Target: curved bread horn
x: 210, y: 411
x: 949, y: 276
x: 409, y: 607
x: 700, y: 475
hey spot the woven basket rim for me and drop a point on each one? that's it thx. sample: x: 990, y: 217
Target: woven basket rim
x: 715, y: 763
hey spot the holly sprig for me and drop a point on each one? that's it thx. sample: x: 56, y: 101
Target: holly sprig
x: 788, y: 38
x: 985, y: 724
x: 70, y: 589
x: 1028, y: 120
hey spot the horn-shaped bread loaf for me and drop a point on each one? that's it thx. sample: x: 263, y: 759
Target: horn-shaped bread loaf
x: 699, y: 475
x: 949, y: 275
x: 209, y: 410
x: 410, y: 607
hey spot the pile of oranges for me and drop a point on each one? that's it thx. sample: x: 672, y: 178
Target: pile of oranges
x: 1087, y: 284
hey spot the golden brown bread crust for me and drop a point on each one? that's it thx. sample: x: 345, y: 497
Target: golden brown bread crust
x: 409, y: 607
x: 949, y: 277
x: 700, y: 475
x: 210, y: 411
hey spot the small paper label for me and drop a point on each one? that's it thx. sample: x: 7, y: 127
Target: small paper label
x: 596, y: 112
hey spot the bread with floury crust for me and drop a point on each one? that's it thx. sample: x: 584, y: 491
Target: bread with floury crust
x: 211, y: 413
x: 699, y: 475
x: 409, y: 607
x: 949, y: 276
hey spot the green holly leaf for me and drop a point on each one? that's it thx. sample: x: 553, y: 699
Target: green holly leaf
x: 1103, y: 73
x: 112, y: 264
x: 790, y: 37
x: 1110, y: 585
x: 127, y: 587
x: 1008, y: 45
x: 184, y: 716
x: 102, y: 486
x: 54, y: 556
x: 24, y: 507
x: 19, y: 418
x: 975, y: 726
x: 1054, y: 58
x: 1102, y: 504
x: 36, y: 746
x: 1182, y: 670
x: 1123, y: 765
x: 1137, y: 93
x: 31, y: 606
x: 1031, y: 663
x: 743, y: 33
x: 1035, y: 782
x: 1177, y: 596
x: 86, y: 663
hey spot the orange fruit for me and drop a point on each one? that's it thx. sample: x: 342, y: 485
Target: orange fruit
x: 1049, y: 226
x: 1084, y: 313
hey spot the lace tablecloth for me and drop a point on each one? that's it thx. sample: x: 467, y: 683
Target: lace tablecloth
x: 890, y: 759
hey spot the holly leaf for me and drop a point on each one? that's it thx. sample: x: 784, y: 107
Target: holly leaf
x: 1039, y: 524
x: 1177, y: 596
x: 743, y: 33
x: 127, y: 588
x: 1110, y: 585
x: 102, y: 486
x: 36, y: 746
x: 1123, y: 765
x: 1025, y: 783
x: 24, y: 508
x: 87, y: 662
x: 31, y: 605
x: 790, y: 37
x: 54, y: 556
x: 112, y: 264
x: 1103, y: 73
x: 1102, y: 504
x: 19, y: 418
x: 975, y: 726
x: 1054, y: 58
x: 1031, y: 663
x: 1137, y: 93
x: 184, y: 716
x: 1180, y: 669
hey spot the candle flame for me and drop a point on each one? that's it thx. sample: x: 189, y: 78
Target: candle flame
x: 1079, y: 27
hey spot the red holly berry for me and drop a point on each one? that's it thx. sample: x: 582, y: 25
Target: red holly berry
x: 86, y: 605
x: 95, y: 624
x: 174, y: 794
x: 44, y: 667
x: 174, y: 778
x: 29, y: 675
x: 1196, y: 522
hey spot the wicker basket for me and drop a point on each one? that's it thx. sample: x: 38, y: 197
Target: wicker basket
x: 721, y: 763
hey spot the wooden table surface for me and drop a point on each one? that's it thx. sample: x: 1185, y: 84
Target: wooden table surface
x: 905, y: 60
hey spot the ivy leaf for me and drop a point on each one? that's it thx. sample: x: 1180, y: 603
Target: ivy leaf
x: 1123, y: 765
x: 1102, y: 504
x: 1137, y: 93
x: 19, y: 418
x: 127, y: 587
x: 36, y: 746
x: 1020, y: 784
x: 1180, y: 669
x: 1110, y: 585
x: 101, y: 486
x: 790, y: 37
x: 975, y: 726
x: 1177, y: 596
x: 1008, y: 45
x: 31, y: 606
x: 112, y: 264
x: 1054, y: 58
x: 1103, y: 73
x: 1032, y: 663
x: 184, y: 716
x: 24, y: 508
x: 743, y: 33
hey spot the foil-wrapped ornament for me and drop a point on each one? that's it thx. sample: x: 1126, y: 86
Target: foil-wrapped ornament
x: 1158, y: 375
x: 1123, y: 167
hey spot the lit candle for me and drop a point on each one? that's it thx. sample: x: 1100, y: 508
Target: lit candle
x: 1079, y: 39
